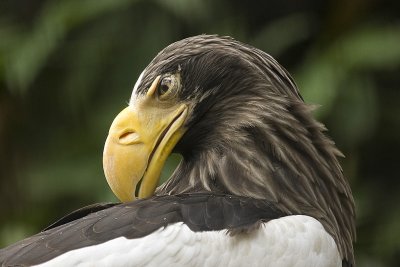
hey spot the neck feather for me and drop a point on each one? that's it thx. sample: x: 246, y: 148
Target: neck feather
x: 276, y: 152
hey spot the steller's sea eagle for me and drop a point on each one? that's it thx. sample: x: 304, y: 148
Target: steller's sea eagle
x: 259, y: 183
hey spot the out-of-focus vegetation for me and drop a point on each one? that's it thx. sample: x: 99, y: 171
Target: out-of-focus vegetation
x: 67, y: 67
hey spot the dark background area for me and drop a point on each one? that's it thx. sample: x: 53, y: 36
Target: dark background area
x: 67, y: 68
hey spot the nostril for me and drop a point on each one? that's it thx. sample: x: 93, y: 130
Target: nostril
x: 128, y: 138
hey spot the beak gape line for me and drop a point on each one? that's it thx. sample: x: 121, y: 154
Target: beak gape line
x: 141, y: 138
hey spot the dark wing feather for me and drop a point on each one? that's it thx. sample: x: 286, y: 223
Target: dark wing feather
x: 200, y: 212
x: 82, y: 212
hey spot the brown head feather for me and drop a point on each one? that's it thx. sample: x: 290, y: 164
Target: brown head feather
x: 251, y: 134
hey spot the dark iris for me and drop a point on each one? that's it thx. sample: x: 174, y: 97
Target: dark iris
x: 164, y: 86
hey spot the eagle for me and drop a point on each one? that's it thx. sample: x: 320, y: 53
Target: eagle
x: 259, y: 182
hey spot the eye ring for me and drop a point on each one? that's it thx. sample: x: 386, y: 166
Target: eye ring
x: 168, y: 86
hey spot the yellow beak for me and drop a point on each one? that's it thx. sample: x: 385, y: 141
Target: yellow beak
x: 140, y: 139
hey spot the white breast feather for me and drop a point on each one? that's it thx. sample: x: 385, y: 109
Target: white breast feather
x: 292, y: 241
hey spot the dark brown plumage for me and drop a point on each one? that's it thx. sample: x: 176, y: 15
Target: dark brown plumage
x: 251, y: 141
x: 255, y: 135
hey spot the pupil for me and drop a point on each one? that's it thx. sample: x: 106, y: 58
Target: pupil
x: 163, y: 88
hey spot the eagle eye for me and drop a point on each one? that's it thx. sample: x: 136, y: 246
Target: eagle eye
x: 165, y: 85
x: 168, y: 86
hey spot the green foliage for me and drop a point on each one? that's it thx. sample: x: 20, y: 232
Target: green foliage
x: 27, y: 56
x: 67, y: 68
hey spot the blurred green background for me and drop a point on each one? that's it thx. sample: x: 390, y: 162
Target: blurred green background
x: 67, y: 68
